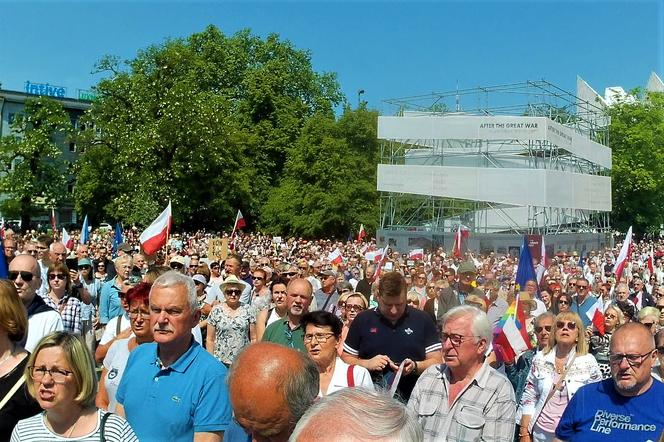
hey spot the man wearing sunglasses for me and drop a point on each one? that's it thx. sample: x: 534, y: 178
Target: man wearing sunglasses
x: 630, y: 405
x: 25, y: 273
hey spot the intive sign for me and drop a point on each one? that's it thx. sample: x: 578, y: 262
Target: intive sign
x: 45, y: 89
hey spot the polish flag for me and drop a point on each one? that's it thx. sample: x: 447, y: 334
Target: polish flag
x: 361, y: 234
x: 374, y: 255
x: 416, y: 254
x: 156, y: 235
x: 651, y: 265
x: 2, y: 229
x: 335, y: 256
x: 239, y: 224
x: 510, y: 334
x: 543, y: 259
x: 460, y: 237
x: 624, y: 255
x: 379, y: 267
x: 66, y: 239
x: 595, y: 314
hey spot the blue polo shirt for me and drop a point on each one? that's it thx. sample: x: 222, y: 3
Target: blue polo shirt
x: 411, y: 337
x: 173, y: 403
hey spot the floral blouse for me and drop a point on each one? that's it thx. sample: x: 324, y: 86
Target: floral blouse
x: 231, y: 333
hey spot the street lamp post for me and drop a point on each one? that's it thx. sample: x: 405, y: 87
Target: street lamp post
x: 359, y: 94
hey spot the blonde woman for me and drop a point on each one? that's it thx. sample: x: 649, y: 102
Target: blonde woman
x: 555, y: 375
x: 599, y: 343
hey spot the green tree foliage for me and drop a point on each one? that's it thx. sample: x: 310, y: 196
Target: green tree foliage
x: 205, y: 121
x: 329, y: 182
x: 33, y: 171
x: 637, y: 142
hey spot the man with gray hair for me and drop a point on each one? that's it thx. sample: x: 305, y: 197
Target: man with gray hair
x: 464, y: 399
x: 172, y: 389
x: 358, y: 414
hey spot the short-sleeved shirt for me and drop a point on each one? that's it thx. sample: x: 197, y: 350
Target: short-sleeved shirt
x: 110, y: 305
x: 231, y: 332
x: 173, y: 403
x: 70, y: 311
x: 280, y: 332
x: 411, y: 337
x: 597, y: 412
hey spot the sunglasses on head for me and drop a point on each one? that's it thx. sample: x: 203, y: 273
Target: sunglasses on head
x: 566, y: 324
x: 25, y: 276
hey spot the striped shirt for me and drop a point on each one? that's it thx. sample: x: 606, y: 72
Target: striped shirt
x: 34, y: 429
x: 484, y: 410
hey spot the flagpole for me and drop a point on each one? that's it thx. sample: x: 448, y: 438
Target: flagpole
x: 168, y: 234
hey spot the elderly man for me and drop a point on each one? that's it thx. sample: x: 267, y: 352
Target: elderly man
x: 24, y: 272
x: 630, y: 405
x: 172, y: 389
x: 288, y: 330
x: 464, y: 399
x: 327, y: 297
x: 265, y: 408
x: 357, y: 414
x: 10, y: 249
x: 381, y: 339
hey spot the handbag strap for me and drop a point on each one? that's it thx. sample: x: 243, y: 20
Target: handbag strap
x: 350, y: 378
x: 11, y: 392
x: 102, y: 427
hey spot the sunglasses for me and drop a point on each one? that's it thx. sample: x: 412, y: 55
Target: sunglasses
x: 85, y: 267
x: 540, y: 329
x: 290, y: 273
x: 233, y: 292
x: 566, y: 324
x: 177, y: 266
x: 562, y: 301
x: 25, y: 276
x: 53, y: 276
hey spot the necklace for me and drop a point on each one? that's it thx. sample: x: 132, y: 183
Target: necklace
x: 11, y: 353
x: 69, y: 433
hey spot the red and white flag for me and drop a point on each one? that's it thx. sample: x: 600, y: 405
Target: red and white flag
x: 651, y: 258
x: 543, y: 259
x: 624, y: 255
x: 2, y: 229
x: 239, y: 224
x: 374, y: 255
x: 460, y: 238
x: 335, y: 256
x: 510, y: 336
x: 66, y: 239
x: 155, y: 236
x: 361, y: 234
x: 595, y: 314
x: 416, y: 254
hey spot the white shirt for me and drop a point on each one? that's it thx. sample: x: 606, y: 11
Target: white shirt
x: 41, y: 324
x: 339, y: 381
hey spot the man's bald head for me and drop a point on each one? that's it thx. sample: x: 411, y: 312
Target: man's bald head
x: 634, y: 345
x: 271, y: 386
x: 26, y: 289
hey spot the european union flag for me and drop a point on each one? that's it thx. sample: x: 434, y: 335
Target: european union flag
x: 525, y: 272
x: 118, y: 238
x: 85, y: 231
x: 3, y: 263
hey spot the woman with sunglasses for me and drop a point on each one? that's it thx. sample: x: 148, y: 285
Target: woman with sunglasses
x: 231, y: 324
x: 354, y: 304
x: 60, y: 375
x: 137, y: 298
x: 555, y: 375
x: 100, y: 271
x: 564, y: 303
x: 599, y: 343
x: 61, y: 298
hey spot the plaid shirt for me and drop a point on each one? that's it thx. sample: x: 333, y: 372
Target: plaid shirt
x: 70, y: 310
x: 484, y: 410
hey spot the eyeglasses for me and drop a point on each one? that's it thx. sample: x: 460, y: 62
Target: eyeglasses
x: 321, y: 338
x: 54, y: 276
x: 176, y: 266
x: 454, y: 338
x: 31, y: 252
x: 25, y: 276
x: 354, y: 308
x: 58, y: 375
x: 566, y: 324
x: 233, y: 292
x: 562, y: 301
x: 632, y: 360
x: 133, y: 314
x: 539, y: 329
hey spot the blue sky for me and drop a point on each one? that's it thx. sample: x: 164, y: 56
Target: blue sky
x: 389, y: 49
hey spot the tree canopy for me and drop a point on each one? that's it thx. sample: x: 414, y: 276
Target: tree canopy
x: 637, y: 142
x: 206, y: 121
x: 33, y: 169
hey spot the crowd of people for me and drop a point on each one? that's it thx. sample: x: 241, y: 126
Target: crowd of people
x: 289, y: 339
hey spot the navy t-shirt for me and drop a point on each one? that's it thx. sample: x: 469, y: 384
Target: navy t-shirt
x: 597, y: 412
x: 411, y: 337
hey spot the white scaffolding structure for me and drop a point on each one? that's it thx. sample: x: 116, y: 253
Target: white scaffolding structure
x: 518, y: 158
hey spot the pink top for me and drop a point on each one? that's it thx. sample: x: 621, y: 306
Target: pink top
x: 553, y: 410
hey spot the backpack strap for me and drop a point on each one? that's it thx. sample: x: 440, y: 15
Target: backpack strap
x: 102, y: 426
x: 350, y: 378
